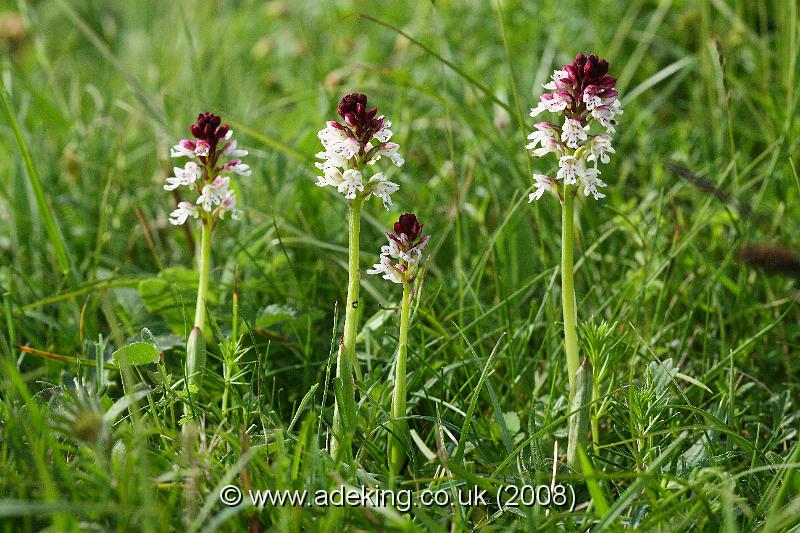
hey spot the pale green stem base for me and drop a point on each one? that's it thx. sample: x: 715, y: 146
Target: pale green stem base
x: 346, y: 363
x: 578, y: 423
x: 399, y: 427
x: 568, y: 288
x: 195, y: 348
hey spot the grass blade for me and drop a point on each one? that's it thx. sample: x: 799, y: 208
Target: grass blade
x: 50, y: 224
x: 462, y: 440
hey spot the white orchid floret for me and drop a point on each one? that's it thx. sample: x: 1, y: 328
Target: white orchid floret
x: 237, y: 167
x: 543, y: 183
x: 573, y: 133
x: 570, y: 168
x: 606, y: 115
x: 382, y: 188
x: 557, y: 78
x: 389, y: 149
x: 591, y: 97
x: 182, y: 213
x: 187, y: 175
x: 202, y: 148
x: 228, y: 205
x: 546, y: 137
x: 599, y: 148
x: 332, y: 134
x: 331, y: 160
x: 392, y: 249
x: 387, y: 269
x: 339, y: 144
x: 412, y: 256
x: 213, y: 193
x: 553, y: 102
x: 208, y: 197
x: 331, y: 177
x: 182, y: 149
x: 384, y: 133
x: 230, y: 150
x: 351, y: 183
x: 591, y: 182
x: 349, y: 148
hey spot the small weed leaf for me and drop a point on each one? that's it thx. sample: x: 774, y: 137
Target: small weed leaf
x: 136, y: 354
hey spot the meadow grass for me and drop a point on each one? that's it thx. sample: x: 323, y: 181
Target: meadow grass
x: 695, y: 400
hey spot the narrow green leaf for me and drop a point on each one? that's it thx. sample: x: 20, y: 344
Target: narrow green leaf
x: 592, y: 483
x: 579, y: 407
x: 102, y: 48
x: 458, y: 70
x: 45, y: 212
x: 627, y: 497
x: 303, y: 403
x: 344, y: 411
x: 462, y: 440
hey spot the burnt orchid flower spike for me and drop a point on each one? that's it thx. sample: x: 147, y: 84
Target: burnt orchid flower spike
x: 213, y: 158
x: 400, y: 263
x: 400, y: 259
x: 206, y: 178
x: 583, y: 94
x: 350, y: 149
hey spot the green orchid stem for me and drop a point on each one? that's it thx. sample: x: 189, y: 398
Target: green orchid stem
x: 399, y: 427
x: 344, y: 414
x: 205, y: 268
x: 195, y: 347
x: 568, y: 287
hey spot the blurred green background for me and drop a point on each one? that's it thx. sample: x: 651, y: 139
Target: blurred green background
x: 703, y: 166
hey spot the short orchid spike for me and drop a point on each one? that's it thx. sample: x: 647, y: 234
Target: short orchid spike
x: 213, y: 158
x: 400, y: 263
x: 400, y: 259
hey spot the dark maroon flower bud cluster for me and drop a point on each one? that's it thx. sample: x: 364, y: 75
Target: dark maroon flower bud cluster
x: 209, y: 128
x: 409, y: 225
x: 400, y: 260
x: 583, y: 91
x: 358, y: 117
x: 407, y: 230
x: 587, y: 79
x: 589, y: 70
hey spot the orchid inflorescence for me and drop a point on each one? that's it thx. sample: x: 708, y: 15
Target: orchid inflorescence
x: 400, y: 259
x: 400, y: 263
x: 584, y: 93
x: 213, y: 157
x: 349, y: 147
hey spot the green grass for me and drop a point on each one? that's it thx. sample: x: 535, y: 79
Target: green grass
x: 697, y: 411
